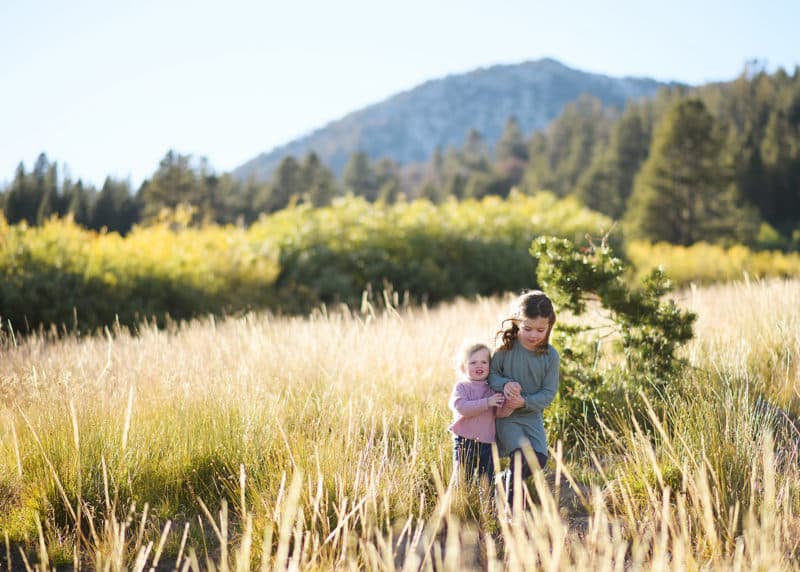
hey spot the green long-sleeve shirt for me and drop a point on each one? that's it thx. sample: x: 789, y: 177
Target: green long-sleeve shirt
x: 538, y: 376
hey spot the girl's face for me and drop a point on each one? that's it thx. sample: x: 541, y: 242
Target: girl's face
x: 477, y: 365
x: 532, y: 332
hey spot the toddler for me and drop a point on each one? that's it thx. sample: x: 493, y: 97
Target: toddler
x: 475, y: 406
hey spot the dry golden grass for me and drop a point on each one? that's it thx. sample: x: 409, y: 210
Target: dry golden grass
x: 750, y: 329
x: 321, y: 443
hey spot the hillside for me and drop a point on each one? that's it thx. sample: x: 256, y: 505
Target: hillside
x: 410, y: 125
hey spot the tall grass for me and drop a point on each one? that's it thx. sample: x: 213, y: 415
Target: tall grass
x: 320, y: 443
x: 750, y: 330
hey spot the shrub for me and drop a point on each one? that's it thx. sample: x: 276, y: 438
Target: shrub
x: 433, y: 252
x: 290, y: 261
x: 59, y: 273
x: 646, y: 327
x: 704, y: 263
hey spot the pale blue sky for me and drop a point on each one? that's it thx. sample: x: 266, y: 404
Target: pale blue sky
x: 108, y: 87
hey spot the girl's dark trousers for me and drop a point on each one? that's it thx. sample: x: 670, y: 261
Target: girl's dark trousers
x: 519, y: 464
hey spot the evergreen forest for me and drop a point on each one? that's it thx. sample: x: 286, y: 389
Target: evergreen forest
x: 719, y: 163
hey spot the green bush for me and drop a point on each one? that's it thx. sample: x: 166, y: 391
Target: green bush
x: 626, y: 345
x: 60, y: 274
x: 433, y: 252
x: 293, y: 260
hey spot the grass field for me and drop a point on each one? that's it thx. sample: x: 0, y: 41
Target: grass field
x: 320, y: 443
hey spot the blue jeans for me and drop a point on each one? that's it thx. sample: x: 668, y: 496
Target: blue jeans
x: 473, y: 458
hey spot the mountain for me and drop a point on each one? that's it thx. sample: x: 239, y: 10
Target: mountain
x: 410, y: 125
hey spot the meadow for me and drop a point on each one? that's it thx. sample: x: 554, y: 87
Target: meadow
x: 319, y: 442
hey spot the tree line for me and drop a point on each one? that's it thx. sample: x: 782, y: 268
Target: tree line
x: 180, y: 179
x: 719, y: 163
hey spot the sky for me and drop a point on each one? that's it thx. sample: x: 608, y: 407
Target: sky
x: 107, y: 88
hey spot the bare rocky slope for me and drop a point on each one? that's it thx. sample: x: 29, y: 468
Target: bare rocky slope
x: 409, y: 126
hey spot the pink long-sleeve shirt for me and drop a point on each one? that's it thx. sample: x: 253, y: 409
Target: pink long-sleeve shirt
x: 473, y: 418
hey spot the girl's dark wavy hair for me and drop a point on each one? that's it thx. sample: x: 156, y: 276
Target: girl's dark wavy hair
x: 528, y: 305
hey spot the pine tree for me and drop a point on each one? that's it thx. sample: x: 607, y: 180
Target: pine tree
x: 228, y: 202
x: 387, y: 179
x: 512, y: 145
x: 204, y: 200
x: 252, y: 192
x: 478, y: 186
x: 115, y: 209
x: 572, y: 140
x: 780, y: 150
x: 684, y: 192
x: 474, y: 154
x: 389, y: 192
x: 174, y: 183
x: 46, y: 206
x: 285, y: 187
x: 78, y: 203
x: 50, y: 201
x: 21, y: 202
x: 538, y: 174
x: 318, y: 182
x: 436, y: 174
x: 511, y: 154
x: 359, y: 177
x: 430, y: 191
x: 607, y: 183
x: 455, y: 186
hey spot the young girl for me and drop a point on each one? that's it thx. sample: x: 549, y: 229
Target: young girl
x: 525, y: 369
x: 475, y: 405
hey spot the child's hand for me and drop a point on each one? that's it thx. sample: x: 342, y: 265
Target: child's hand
x: 516, y: 402
x: 512, y: 389
x: 497, y: 400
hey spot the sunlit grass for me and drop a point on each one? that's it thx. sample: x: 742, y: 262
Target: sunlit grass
x: 321, y: 443
x: 750, y: 330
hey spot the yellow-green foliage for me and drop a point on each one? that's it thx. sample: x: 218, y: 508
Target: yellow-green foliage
x: 352, y: 221
x: 434, y: 252
x: 165, y: 269
x: 297, y: 259
x: 704, y: 263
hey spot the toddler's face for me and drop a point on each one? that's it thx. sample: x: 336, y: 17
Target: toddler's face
x: 477, y: 365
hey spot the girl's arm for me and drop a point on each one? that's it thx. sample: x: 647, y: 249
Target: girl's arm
x: 540, y: 399
x: 465, y: 407
x: 496, y: 378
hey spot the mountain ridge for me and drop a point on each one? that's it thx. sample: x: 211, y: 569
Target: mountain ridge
x: 409, y: 125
